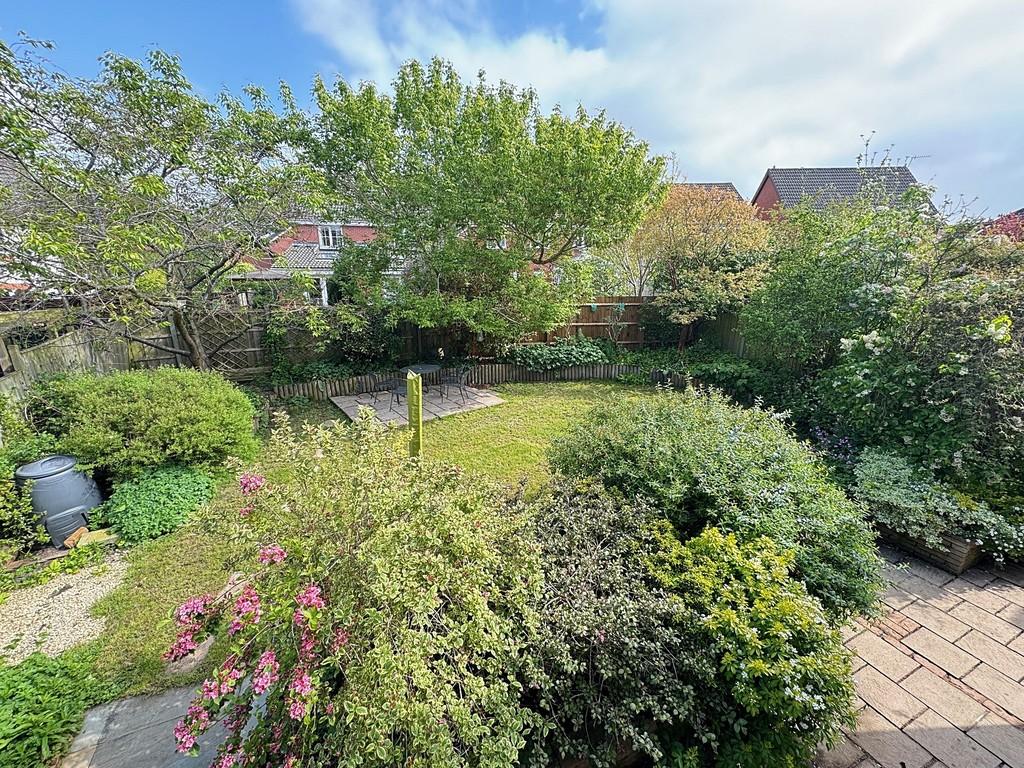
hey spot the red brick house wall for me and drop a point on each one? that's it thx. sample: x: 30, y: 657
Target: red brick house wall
x: 767, y: 198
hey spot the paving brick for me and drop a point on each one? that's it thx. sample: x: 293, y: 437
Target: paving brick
x: 946, y: 742
x: 887, y: 744
x: 978, y: 576
x: 845, y: 754
x: 1013, y: 614
x: 1012, y: 573
x: 896, y: 598
x: 1007, y: 693
x: 972, y: 593
x: 1017, y: 644
x: 929, y: 572
x: 913, y: 584
x: 1000, y: 738
x: 990, y: 624
x: 1009, y: 592
x: 949, y: 701
x: 995, y: 654
x: 944, y: 626
x: 943, y: 653
x: 850, y: 631
x: 887, y: 697
x: 883, y: 656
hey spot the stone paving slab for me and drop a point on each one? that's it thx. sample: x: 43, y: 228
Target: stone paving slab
x: 390, y: 411
x: 138, y: 732
x: 941, y: 672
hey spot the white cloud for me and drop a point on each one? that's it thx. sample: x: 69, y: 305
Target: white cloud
x: 733, y: 86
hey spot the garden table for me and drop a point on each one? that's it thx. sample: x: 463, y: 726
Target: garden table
x: 421, y: 369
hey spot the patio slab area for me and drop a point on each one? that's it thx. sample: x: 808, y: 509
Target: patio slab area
x: 434, y: 406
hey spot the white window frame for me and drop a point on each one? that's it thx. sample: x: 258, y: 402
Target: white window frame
x: 330, y: 236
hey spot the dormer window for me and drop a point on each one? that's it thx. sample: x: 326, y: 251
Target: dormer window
x: 330, y: 237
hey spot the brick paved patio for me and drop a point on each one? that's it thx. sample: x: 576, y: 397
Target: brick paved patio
x: 939, y: 677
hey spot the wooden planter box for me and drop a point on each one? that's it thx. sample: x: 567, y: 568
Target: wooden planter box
x: 956, y: 556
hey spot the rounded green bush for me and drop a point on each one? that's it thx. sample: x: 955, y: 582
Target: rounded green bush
x: 156, y: 502
x: 775, y: 679
x: 705, y: 461
x: 130, y: 420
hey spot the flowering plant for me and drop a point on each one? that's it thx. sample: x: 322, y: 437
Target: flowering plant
x: 383, y: 619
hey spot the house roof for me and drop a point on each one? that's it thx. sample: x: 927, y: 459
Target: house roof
x: 297, y: 257
x: 726, y: 187
x: 829, y: 185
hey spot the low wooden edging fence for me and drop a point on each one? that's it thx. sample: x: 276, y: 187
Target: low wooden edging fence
x: 485, y: 375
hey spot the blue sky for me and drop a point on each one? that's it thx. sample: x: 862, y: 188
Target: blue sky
x: 729, y: 87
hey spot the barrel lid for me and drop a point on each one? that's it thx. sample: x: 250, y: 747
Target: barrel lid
x: 45, y: 467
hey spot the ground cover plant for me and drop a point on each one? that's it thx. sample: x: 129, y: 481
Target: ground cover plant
x: 42, y: 701
x: 156, y: 502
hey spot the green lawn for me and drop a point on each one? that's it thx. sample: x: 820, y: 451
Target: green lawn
x: 508, y: 442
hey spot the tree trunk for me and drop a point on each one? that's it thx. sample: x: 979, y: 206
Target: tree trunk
x: 189, y: 334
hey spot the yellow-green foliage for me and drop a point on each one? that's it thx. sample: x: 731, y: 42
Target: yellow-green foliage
x: 130, y: 420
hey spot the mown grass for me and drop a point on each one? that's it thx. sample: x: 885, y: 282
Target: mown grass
x: 508, y: 442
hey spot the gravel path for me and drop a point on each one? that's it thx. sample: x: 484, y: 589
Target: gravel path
x: 55, y: 616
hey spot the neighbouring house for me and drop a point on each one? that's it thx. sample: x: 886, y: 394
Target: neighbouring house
x: 309, y: 247
x: 785, y: 187
x: 725, y: 187
x: 1010, y: 225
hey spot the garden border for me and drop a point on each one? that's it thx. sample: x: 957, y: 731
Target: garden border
x: 484, y: 375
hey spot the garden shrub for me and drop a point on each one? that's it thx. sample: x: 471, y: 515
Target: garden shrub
x: 705, y: 461
x: 20, y: 529
x: 42, y: 703
x: 127, y: 421
x: 777, y: 681
x: 563, y: 353
x: 156, y: 502
x: 910, y: 501
x: 385, y: 616
x: 614, y: 667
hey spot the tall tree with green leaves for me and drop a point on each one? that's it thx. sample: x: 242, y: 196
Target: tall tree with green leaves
x: 480, y: 200
x: 132, y: 198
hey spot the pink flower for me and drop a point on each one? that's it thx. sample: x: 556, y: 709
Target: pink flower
x: 307, y: 642
x: 297, y: 709
x: 247, y: 610
x: 229, y: 757
x: 250, y: 483
x: 310, y: 597
x: 267, y: 669
x: 302, y: 683
x: 196, y: 722
x: 246, y: 510
x: 272, y: 554
x: 192, y: 609
x: 341, y: 638
x: 184, y: 737
x: 182, y: 646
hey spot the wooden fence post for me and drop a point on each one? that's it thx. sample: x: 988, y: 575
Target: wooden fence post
x: 414, y: 400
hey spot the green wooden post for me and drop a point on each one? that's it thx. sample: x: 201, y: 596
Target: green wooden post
x: 414, y: 397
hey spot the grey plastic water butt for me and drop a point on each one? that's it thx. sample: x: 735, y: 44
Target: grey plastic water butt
x: 61, y: 495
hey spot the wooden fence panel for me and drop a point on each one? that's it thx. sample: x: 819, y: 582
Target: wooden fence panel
x: 485, y: 375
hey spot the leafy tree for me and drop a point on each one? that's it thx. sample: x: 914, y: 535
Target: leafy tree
x: 903, y: 328
x: 479, y: 199
x: 132, y: 198
x: 708, y: 247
